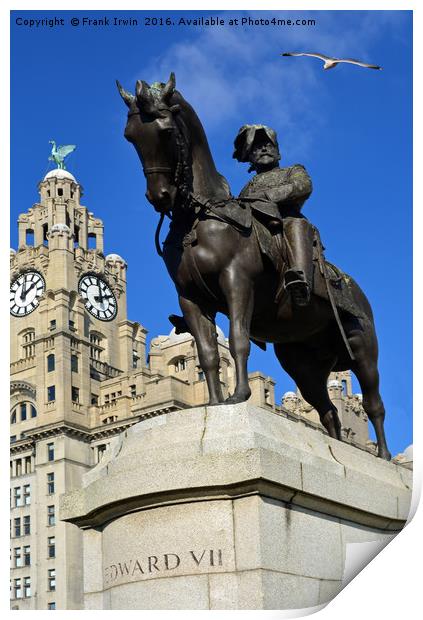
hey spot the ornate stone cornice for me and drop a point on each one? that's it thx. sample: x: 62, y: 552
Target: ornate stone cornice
x: 24, y: 387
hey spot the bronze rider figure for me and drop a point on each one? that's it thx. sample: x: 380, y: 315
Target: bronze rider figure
x: 279, y: 195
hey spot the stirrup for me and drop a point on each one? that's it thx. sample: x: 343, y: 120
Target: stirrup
x: 299, y: 291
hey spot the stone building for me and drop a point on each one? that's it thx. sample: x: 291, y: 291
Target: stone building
x: 80, y: 374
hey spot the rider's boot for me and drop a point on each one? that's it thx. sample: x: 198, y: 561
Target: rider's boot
x: 299, y: 235
x: 297, y: 287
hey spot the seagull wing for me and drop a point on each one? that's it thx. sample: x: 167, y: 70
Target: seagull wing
x: 66, y: 149
x: 360, y: 63
x: 312, y: 54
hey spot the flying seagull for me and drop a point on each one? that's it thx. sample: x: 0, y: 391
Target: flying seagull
x: 330, y: 62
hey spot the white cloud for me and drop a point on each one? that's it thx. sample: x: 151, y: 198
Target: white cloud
x: 234, y: 75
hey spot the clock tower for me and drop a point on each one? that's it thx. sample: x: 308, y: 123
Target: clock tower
x: 69, y: 337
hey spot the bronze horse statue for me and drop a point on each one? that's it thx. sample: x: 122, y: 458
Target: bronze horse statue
x: 219, y: 268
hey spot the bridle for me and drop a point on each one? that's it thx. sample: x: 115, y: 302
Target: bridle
x: 182, y: 177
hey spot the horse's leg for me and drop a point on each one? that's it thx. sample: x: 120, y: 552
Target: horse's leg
x: 238, y: 292
x: 364, y: 347
x: 204, y: 332
x: 311, y: 377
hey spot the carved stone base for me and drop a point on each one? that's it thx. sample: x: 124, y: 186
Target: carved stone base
x: 229, y: 507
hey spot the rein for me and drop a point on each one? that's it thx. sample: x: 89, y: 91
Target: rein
x: 182, y: 177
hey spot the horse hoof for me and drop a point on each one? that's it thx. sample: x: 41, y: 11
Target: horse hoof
x: 384, y: 454
x: 234, y: 400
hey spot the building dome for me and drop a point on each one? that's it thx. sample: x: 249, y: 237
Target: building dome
x: 289, y: 396
x: 59, y: 173
x: 60, y: 228
x: 408, y: 453
x: 334, y: 383
x: 115, y: 258
x: 174, y: 337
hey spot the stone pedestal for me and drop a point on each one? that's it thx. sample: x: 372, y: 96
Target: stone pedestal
x: 229, y: 507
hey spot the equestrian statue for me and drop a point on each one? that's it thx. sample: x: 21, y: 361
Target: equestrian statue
x: 254, y: 258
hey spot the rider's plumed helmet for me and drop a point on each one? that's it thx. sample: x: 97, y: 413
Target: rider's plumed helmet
x: 245, y: 138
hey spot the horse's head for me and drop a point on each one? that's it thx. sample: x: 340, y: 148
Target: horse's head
x: 152, y: 129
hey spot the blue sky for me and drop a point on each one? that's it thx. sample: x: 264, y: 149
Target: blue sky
x: 350, y: 127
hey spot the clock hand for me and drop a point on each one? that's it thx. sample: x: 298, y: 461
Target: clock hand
x: 23, y: 293
x: 30, y: 288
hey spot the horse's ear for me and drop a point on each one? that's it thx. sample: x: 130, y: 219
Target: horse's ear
x: 127, y: 97
x: 144, y: 96
x: 169, y: 88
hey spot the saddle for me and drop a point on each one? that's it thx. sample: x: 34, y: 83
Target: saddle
x: 248, y: 218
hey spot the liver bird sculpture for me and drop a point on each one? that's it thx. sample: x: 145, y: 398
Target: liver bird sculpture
x: 330, y: 63
x: 58, y: 154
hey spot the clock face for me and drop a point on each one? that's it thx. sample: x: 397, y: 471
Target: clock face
x: 25, y: 293
x: 99, y: 298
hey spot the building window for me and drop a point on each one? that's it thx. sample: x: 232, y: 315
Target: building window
x: 17, y: 497
x: 29, y: 237
x: 17, y: 588
x: 72, y: 325
x: 45, y: 233
x: 135, y: 358
x: 28, y: 467
x: 28, y: 343
x: 51, y: 547
x: 180, y: 364
x: 51, y: 516
x: 50, y: 483
x: 96, y: 346
x: 344, y: 387
x: 267, y: 398
x: 51, y: 393
x: 23, y: 412
x: 200, y: 374
x: 94, y: 399
x: 51, y: 579
x: 133, y: 390
x: 17, y: 527
x: 106, y: 399
x: 52, y: 324
x: 12, y: 440
x: 109, y: 419
x: 92, y: 241
x: 27, y: 494
x: 27, y: 555
x: 50, y: 362
x: 27, y: 587
x: 27, y: 525
x: 60, y: 191
x: 74, y: 363
x: 76, y: 236
x: 100, y: 451
x: 18, y: 466
x: 75, y: 394
x: 51, y: 605
x: 50, y: 451
x: 17, y: 557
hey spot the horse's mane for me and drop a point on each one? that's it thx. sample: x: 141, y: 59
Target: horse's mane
x: 207, y: 181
